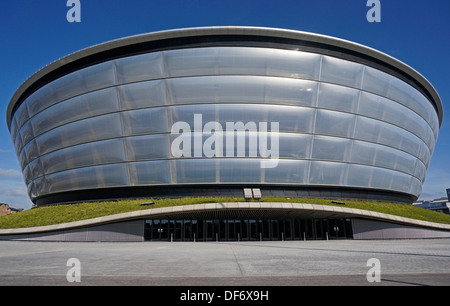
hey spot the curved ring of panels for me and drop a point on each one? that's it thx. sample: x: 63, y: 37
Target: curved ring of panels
x: 342, y: 123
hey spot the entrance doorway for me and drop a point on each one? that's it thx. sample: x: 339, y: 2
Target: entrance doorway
x: 246, y: 229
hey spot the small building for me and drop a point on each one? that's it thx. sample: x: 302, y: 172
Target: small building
x: 5, y: 209
x: 438, y: 205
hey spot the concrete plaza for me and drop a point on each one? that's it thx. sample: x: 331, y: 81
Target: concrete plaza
x: 280, y: 263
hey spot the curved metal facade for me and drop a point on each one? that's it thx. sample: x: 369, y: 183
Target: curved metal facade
x: 342, y: 124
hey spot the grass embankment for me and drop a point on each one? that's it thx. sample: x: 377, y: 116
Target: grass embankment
x: 58, y: 214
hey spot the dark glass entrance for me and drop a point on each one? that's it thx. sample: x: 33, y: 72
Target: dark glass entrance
x: 246, y: 229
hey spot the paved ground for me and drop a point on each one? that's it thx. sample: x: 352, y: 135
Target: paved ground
x: 344, y: 262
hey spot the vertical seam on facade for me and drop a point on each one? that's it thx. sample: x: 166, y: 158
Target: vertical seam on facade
x: 122, y: 128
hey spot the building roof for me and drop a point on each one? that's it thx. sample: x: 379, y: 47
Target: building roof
x: 221, y: 35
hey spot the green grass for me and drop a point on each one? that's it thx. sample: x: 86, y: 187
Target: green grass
x: 58, y: 214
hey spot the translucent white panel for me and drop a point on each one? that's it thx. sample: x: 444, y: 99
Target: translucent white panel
x: 40, y: 99
x: 290, y: 91
x: 40, y: 187
x: 407, y: 142
x: 18, y: 143
x: 268, y: 61
x: 209, y: 144
x: 386, y: 85
x: 435, y: 125
x: 294, y: 64
x: 421, y: 105
x: 377, y: 107
x: 149, y: 172
x: 376, y: 81
x: 424, y: 154
x: 14, y: 129
x: 382, y: 156
x: 335, y: 123
x: 23, y: 160
x: 289, y: 118
x: 366, y: 152
x: 338, y: 97
x: 96, y: 77
x: 187, y: 113
x: 187, y: 62
x: 88, y: 178
x: 342, y: 72
x: 31, y: 150
x: 216, y: 89
x: 242, y: 60
x: 295, y: 145
x: 194, y: 90
x: 384, y: 133
x: 84, y: 106
x: 147, y: 147
x: 234, y: 143
x: 420, y: 171
x: 331, y: 173
x: 88, y: 154
x: 75, y: 83
x: 87, y: 130
x: 331, y: 148
x: 359, y: 176
x: 139, y: 67
x: 27, y: 176
x: 35, y: 168
x: 409, y: 96
x: 415, y: 187
x: 240, y: 170
x: 378, y: 178
x: 142, y: 94
x: 248, y: 89
x: 246, y: 113
x: 26, y: 133
x: 287, y: 172
x: 240, y: 89
x: 387, y: 110
x: 428, y: 138
x: 21, y: 115
x: 401, y: 182
x: 144, y: 121
x: 30, y: 190
x: 382, y: 179
x: 196, y: 170
x: 400, y: 91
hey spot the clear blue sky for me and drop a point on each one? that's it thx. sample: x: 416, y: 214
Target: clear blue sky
x: 35, y: 33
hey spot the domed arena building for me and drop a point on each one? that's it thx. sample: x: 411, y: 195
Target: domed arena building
x: 228, y: 111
